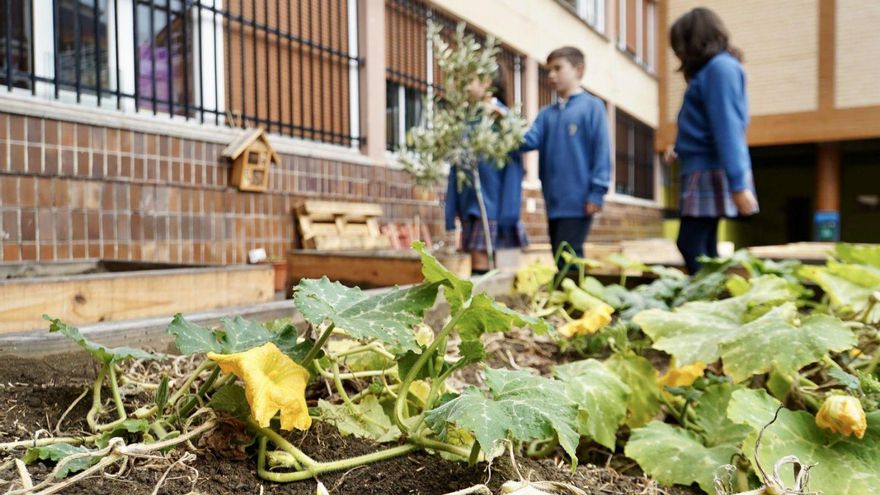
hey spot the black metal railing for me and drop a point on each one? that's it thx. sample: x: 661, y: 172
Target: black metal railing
x: 282, y: 65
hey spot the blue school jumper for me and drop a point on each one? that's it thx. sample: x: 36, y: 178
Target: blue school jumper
x: 575, y: 155
x: 711, y: 142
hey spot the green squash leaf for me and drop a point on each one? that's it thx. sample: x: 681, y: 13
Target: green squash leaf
x: 865, y: 254
x: 456, y: 290
x: 123, y: 430
x: 235, y: 335
x: 842, y: 465
x: 850, y: 287
x: 711, y: 413
x: 368, y: 420
x: 674, y: 455
x: 601, y: 398
x: 522, y: 407
x: 387, y: 317
x: 58, y: 451
x: 102, y: 353
x: 191, y: 338
x: 485, y: 315
x: 641, y: 377
x: 230, y: 398
x: 695, y: 331
x: 783, y: 341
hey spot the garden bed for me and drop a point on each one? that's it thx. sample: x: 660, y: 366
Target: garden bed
x: 91, y: 292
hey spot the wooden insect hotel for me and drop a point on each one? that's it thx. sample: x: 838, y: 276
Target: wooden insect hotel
x: 252, y: 157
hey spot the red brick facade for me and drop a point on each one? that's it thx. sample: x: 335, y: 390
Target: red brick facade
x: 74, y: 191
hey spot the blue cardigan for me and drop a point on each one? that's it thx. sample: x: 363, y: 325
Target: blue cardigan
x: 575, y: 155
x: 502, y: 193
x: 712, y: 122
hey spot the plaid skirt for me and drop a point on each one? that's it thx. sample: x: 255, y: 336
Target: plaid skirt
x: 474, y: 239
x: 706, y: 193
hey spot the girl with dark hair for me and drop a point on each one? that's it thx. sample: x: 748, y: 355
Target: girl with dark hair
x: 501, y: 187
x: 716, y: 170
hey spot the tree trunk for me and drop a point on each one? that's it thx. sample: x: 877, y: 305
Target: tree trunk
x: 490, y: 252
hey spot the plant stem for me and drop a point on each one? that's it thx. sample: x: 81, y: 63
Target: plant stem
x: 353, y: 375
x: 326, y: 467
x: 143, y: 413
x: 478, y: 189
x: 352, y: 408
x: 414, y: 371
x: 282, y: 443
x: 96, y: 399
x: 313, y: 352
x: 47, y: 441
x: 475, y: 454
x: 114, y: 388
x: 371, y: 347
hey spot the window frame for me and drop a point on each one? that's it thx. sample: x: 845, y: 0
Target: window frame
x: 208, y: 84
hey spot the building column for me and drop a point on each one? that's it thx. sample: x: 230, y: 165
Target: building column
x: 531, y: 107
x: 371, y: 38
x: 827, y: 219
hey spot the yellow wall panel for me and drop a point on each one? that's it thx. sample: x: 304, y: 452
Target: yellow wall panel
x: 857, y: 53
x: 780, y: 46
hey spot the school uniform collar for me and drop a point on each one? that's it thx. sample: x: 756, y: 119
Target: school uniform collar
x: 562, y: 102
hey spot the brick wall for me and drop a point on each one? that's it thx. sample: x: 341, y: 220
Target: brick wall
x: 75, y: 191
x: 618, y: 221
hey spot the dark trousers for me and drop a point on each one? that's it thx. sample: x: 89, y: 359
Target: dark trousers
x: 697, y: 236
x: 571, y: 230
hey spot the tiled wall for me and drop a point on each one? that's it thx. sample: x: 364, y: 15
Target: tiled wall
x: 74, y: 191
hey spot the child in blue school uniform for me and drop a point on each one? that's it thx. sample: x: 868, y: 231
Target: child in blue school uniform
x: 711, y: 148
x: 571, y: 136
x: 502, y: 192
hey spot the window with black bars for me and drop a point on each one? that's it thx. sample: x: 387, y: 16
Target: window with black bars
x: 412, y: 73
x: 634, y: 157
x: 546, y: 92
x: 289, y: 67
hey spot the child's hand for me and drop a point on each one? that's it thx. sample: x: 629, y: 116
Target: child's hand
x: 745, y: 202
x: 492, y: 109
x: 669, y: 156
x: 592, y: 208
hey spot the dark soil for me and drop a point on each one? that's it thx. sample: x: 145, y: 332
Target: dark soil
x: 35, y: 393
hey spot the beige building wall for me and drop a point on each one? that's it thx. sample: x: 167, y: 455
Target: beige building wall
x: 811, y: 66
x: 857, y: 53
x: 536, y: 27
x: 780, y: 44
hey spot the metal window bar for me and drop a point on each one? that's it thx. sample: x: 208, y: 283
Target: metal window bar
x: 320, y: 45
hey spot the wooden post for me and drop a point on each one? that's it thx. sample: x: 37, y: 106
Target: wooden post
x: 827, y: 221
x: 371, y: 38
x: 828, y: 177
x: 531, y: 106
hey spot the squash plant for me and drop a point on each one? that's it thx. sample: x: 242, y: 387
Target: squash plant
x: 760, y: 375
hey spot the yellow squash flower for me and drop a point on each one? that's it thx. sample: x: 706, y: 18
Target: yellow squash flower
x: 683, y: 376
x: 842, y: 414
x: 591, y: 322
x: 272, y: 382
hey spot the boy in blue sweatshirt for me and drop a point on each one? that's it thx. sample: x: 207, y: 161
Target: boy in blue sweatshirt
x: 571, y: 137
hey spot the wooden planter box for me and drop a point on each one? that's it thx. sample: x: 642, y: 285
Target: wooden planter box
x: 369, y: 268
x: 90, y: 292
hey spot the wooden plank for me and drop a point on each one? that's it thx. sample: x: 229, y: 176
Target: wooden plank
x: 362, y: 210
x: 120, y: 296
x: 377, y: 269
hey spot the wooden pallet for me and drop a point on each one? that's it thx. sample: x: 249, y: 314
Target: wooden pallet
x: 336, y: 225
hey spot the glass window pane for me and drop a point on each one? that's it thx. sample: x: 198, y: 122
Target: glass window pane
x: 16, y: 58
x: 392, y: 114
x: 163, y: 48
x: 82, y: 56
